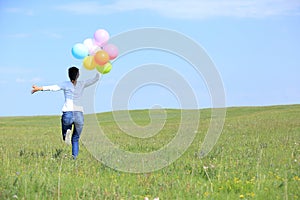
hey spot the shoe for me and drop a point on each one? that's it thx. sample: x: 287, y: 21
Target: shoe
x: 68, y: 137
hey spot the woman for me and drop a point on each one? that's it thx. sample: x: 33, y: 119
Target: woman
x: 72, y: 108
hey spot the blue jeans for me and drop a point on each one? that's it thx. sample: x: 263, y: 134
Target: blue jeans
x: 67, y: 120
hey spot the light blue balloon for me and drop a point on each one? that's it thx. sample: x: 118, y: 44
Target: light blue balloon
x: 80, y: 51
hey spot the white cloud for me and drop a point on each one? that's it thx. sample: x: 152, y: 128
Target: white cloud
x: 190, y: 9
x: 21, y: 80
x: 32, y: 80
x: 8, y: 70
x: 47, y: 34
x: 3, y: 82
x: 20, y: 35
x: 18, y: 74
x: 52, y: 35
x: 21, y: 11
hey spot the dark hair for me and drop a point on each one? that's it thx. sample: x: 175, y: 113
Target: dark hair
x: 73, y: 72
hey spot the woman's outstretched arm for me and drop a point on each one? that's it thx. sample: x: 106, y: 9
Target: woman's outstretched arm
x: 91, y: 81
x: 36, y: 88
x: 46, y: 88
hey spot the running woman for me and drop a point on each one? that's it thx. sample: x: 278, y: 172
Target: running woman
x: 72, y: 111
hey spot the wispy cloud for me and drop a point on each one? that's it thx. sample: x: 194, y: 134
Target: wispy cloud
x: 46, y: 34
x: 3, y: 82
x: 32, y: 80
x: 14, y: 10
x: 190, y: 9
x: 52, y: 35
x: 19, y: 35
x: 18, y: 74
x: 8, y: 70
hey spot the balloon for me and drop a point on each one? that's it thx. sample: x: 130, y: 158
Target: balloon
x: 89, y: 63
x: 92, y: 47
x: 79, y: 51
x: 104, y: 69
x: 112, y: 51
x: 101, y: 57
x: 94, y: 50
x: 101, y: 37
x: 88, y: 43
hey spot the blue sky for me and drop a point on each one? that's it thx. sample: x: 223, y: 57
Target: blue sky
x: 254, y: 44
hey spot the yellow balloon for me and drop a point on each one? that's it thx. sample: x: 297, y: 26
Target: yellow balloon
x: 89, y: 63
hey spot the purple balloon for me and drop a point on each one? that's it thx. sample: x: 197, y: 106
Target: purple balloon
x: 101, y: 37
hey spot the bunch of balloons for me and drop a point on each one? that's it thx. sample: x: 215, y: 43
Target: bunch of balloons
x: 97, y: 52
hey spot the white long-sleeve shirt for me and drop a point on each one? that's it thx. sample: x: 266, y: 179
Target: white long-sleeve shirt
x: 72, y: 93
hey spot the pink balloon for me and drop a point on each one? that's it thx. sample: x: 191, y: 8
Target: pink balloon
x: 101, y: 37
x: 112, y: 51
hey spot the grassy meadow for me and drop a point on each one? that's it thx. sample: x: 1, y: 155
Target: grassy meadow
x: 256, y: 157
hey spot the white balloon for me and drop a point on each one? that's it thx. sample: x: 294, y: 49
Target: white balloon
x: 88, y: 43
x: 92, y: 47
x: 94, y: 50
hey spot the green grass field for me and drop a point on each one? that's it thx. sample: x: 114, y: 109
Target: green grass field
x: 256, y: 157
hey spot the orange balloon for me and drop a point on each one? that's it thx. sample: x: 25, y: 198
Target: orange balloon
x: 101, y: 57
